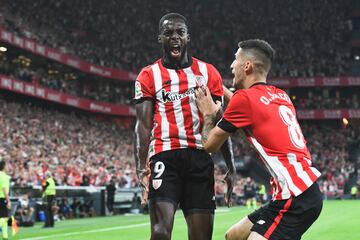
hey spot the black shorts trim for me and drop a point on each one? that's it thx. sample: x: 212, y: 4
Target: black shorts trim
x: 278, y: 218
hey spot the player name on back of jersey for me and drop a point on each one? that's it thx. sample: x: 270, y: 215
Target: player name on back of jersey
x: 273, y: 96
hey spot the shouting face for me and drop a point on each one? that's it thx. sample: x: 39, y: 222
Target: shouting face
x: 174, y: 38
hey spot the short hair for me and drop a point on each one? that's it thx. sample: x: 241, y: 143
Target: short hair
x: 2, y: 165
x: 171, y: 16
x: 261, y: 51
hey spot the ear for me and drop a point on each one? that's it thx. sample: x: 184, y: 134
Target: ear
x: 159, y: 38
x: 249, y: 67
x: 188, y: 37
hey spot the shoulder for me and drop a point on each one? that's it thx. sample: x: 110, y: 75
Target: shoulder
x: 209, y: 66
x: 241, y: 94
x: 147, y: 70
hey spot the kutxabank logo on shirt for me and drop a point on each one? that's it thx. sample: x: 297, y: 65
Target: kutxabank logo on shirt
x: 172, y: 97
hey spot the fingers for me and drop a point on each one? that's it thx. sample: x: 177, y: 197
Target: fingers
x: 145, y: 194
x: 207, y: 91
x: 199, y: 94
x: 218, y: 105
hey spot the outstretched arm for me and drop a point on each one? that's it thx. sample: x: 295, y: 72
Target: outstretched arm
x: 143, y: 127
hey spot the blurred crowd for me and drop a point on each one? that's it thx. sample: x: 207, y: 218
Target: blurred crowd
x: 64, y: 79
x: 309, y: 36
x: 326, y: 97
x: 330, y: 148
x: 86, y: 152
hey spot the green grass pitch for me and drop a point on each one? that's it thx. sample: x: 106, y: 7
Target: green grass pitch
x: 338, y: 220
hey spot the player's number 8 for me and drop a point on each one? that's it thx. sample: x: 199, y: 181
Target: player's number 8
x: 159, y: 169
x: 294, y: 129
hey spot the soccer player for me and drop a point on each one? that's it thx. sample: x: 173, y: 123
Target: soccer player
x: 250, y: 193
x: 5, y: 203
x: 267, y: 118
x: 168, y: 134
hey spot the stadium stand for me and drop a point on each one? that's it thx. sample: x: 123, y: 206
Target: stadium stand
x: 122, y: 38
x: 37, y: 136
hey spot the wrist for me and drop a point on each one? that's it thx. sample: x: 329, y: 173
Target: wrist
x: 212, y: 111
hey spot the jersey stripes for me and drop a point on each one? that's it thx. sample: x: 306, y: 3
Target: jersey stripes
x: 177, y: 121
x: 262, y: 122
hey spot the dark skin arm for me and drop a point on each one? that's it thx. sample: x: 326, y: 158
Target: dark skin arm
x: 143, y: 127
x: 226, y: 150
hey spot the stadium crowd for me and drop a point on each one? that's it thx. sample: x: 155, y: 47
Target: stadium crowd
x: 55, y: 76
x: 319, y: 102
x: 60, y: 79
x: 122, y: 34
x: 83, y: 153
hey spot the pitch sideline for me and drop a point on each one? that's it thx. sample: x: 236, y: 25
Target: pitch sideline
x: 220, y: 212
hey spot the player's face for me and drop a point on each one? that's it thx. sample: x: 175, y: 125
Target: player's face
x: 237, y: 68
x: 174, y: 38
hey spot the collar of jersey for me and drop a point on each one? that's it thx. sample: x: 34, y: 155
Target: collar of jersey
x: 171, y: 66
x: 258, y: 83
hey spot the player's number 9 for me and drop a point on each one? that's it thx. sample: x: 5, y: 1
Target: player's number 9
x: 294, y: 129
x: 159, y: 169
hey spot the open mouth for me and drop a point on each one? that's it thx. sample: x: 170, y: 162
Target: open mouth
x: 175, y: 51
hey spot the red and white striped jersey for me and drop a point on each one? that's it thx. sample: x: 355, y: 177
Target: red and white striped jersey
x: 267, y: 117
x: 177, y: 120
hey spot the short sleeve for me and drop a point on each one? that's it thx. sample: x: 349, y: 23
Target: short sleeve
x: 238, y: 113
x: 215, y: 82
x: 144, y: 87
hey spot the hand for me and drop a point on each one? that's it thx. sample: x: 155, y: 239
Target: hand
x: 205, y: 103
x: 229, y: 180
x: 8, y: 204
x: 143, y: 176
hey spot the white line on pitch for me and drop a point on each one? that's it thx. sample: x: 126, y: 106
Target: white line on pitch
x: 223, y: 212
x: 91, y: 231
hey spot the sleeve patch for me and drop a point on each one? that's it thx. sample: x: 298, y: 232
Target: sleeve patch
x: 138, y: 92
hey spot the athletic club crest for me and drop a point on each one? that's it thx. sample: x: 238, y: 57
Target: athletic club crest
x: 200, y: 80
x: 156, y: 183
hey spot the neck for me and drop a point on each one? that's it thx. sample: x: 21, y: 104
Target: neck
x: 254, y: 78
x: 185, y: 61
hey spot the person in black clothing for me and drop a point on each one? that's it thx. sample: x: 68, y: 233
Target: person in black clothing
x: 250, y: 193
x: 110, y: 190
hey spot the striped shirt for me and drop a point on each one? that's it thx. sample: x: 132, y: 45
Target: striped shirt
x: 267, y: 117
x: 177, y: 121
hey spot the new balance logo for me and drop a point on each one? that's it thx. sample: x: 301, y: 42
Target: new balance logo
x: 261, y: 222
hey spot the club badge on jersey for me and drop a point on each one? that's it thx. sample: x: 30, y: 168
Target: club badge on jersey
x: 156, y: 183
